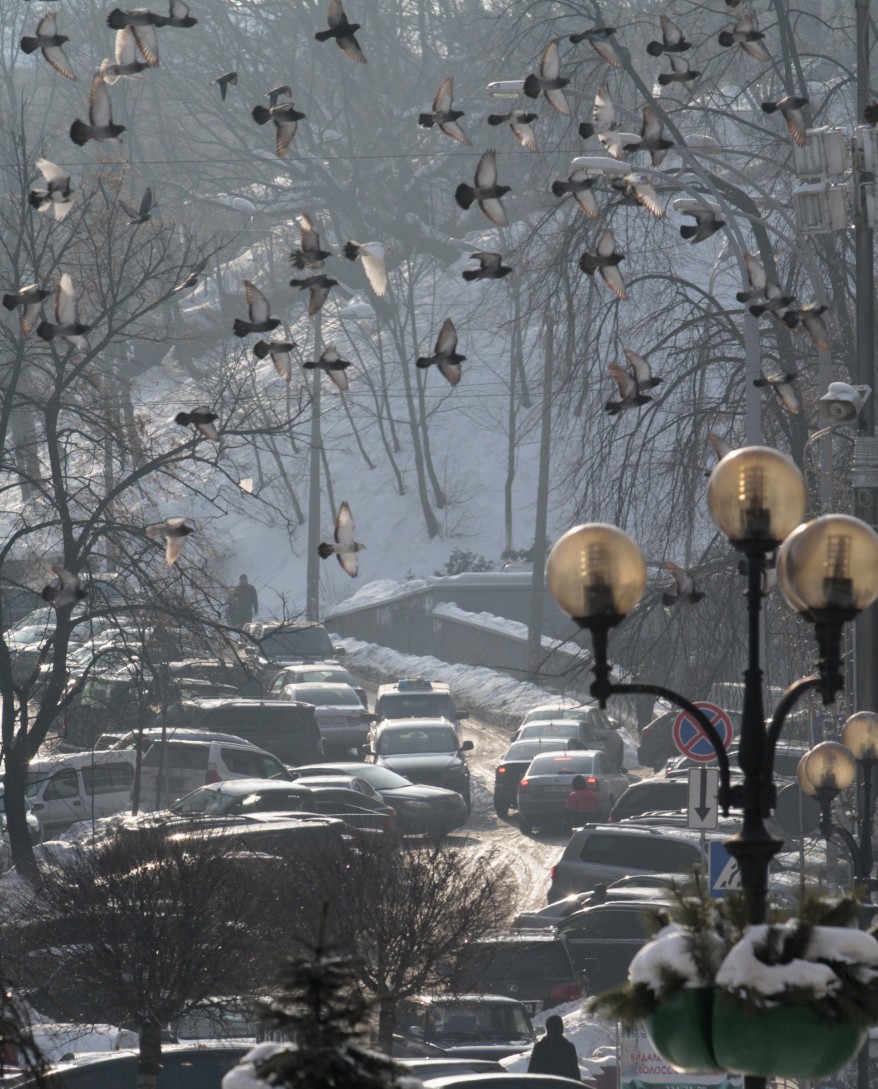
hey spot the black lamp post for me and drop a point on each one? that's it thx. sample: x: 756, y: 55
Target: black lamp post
x: 828, y: 571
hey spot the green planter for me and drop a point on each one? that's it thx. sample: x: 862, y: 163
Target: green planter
x: 679, y: 1028
x: 786, y: 1040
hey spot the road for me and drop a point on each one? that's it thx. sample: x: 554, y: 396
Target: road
x: 529, y: 857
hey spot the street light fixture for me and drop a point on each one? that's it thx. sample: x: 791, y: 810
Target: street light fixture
x: 756, y: 497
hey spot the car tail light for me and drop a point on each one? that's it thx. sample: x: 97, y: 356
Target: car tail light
x: 212, y: 776
x: 591, y: 782
x: 566, y: 992
x: 524, y: 784
x: 501, y: 770
x: 552, y: 873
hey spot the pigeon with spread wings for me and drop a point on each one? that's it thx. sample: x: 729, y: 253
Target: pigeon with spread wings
x: 202, y: 419
x: 29, y: 301
x: 342, y: 31
x: 175, y: 531
x: 226, y: 80
x: 686, y: 589
x: 579, y: 185
x: 792, y: 108
x: 49, y: 42
x: 67, y: 324
x: 652, y: 137
x: 279, y: 351
x: 285, y: 120
x: 331, y: 362
x: 100, y: 117
x: 345, y: 548
x: 68, y: 591
x: 549, y: 81
x: 446, y: 357
x: 371, y: 257
x: 491, y: 267
x: 309, y: 254
x: 259, y: 313
x: 782, y: 384
x: 126, y: 64
x: 443, y: 116
x: 606, y: 260
x: 673, y: 39
x: 56, y: 195
x: 632, y: 383
x: 744, y: 34
x: 141, y: 214
x: 318, y: 290
x: 598, y: 37
x: 520, y: 123
x: 485, y: 190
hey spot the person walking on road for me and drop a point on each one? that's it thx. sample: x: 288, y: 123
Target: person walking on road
x: 243, y: 604
x: 554, y: 1053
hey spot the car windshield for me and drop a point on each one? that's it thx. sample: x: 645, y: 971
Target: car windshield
x: 439, y: 739
x: 554, y: 710
x: 416, y: 705
x: 478, y: 1020
x: 325, y: 695
x: 321, y: 676
x: 561, y: 764
x: 527, y: 750
x: 214, y: 802
x: 549, y: 729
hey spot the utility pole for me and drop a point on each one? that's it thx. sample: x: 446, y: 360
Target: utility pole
x: 865, y: 464
x: 537, y: 586
x: 312, y: 597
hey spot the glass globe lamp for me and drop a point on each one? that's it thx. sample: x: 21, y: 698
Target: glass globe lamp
x: 860, y: 734
x: 832, y: 565
x: 756, y: 496
x: 596, y: 572
x: 781, y: 567
x: 829, y: 766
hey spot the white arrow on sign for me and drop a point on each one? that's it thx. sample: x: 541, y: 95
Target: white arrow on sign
x: 703, y: 790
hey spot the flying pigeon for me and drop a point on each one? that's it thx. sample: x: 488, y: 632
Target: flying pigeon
x: 331, y: 362
x: 192, y: 279
x: 259, y: 313
x: 791, y: 107
x: 680, y: 73
x: 175, y: 531
x: 345, y: 548
x: 707, y: 223
x: 202, y: 419
x: 637, y: 189
x: 342, y: 31
x: 319, y: 287
x: 632, y: 383
x: 141, y: 214
x: 520, y: 123
x: 776, y: 305
x: 782, y: 384
x: 226, y: 80
x: 29, y: 300
x: 652, y: 137
x: 309, y: 254
x: 49, y: 42
x: 485, y: 190
x: 673, y: 40
x: 761, y: 287
x: 67, y: 324
x: 446, y: 356
x: 579, y: 185
x: 744, y: 35
x: 491, y: 267
x: 811, y: 320
x: 549, y: 81
x: 443, y: 115
x: 606, y: 260
x: 100, y: 117
x: 720, y: 446
x: 56, y: 195
x: 125, y: 51
x: 371, y: 255
x: 136, y: 17
x: 178, y: 15
x: 279, y: 350
x: 598, y: 38
x: 283, y: 90
x: 286, y: 121
x: 686, y: 588
x: 68, y: 591
x: 603, y: 112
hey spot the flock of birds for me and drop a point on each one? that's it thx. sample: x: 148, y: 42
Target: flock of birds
x: 136, y: 51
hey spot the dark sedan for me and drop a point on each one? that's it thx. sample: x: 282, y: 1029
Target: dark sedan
x: 603, y: 939
x: 510, y: 771
x: 420, y: 809
x: 424, y: 750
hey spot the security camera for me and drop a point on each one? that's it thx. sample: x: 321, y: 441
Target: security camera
x: 843, y: 403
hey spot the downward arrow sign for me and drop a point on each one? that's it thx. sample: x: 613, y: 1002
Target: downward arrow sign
x: 702, y: 809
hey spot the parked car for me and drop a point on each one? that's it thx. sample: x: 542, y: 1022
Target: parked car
x: 193, y: 1067
x: 533, y: 966
x: 549, y: 779
x: 287, y: 730
x: 598, y: 721
x: 515, y: 762
x: 315, y: 673
x: 416, y: 697
x: 420, y: 809
x: 424, y: 750
x: 653, y: 795
x: 604, y: 938
x: 243, y: 797
x: 342, y: 719
x: 423, y: 1069
x: 475, y: 1026
x: 169, y: 769
x: 599, y: 854
x: 569, y: 729
x: 71, y: 787
x: 288, y: 642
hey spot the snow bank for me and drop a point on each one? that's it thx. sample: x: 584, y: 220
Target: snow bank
x: 594, y: 1040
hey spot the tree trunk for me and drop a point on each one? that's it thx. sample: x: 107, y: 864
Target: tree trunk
x: 386, y: 1020
x: 150, y: 1059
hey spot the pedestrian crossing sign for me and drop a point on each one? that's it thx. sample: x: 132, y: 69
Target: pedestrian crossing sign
x: 725, y: 877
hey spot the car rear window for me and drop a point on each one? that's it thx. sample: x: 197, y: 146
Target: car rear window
x: 253, y: 764
x: 337, y: 695
x: 107, y: 778
x: 427, y: 739
x: 652, y: 797
x: 562, y: 763
x: 304, y: 643
x: 527, y: 750
x: 184, y: 757
x: 524, y: 960
x: 415, y: 705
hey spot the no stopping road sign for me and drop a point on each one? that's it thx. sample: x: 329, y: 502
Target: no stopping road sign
x: 689, y: 738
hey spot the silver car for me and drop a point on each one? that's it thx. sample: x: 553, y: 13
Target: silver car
x: 343, y: 720
x: 549, y: 780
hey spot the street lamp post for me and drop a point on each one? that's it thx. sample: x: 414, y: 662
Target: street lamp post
x: 827, y: 570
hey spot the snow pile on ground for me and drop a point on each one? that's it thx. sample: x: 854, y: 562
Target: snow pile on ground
x: 594, y: 1040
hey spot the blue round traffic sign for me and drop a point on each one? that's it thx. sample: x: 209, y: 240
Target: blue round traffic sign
x: 689, y: 737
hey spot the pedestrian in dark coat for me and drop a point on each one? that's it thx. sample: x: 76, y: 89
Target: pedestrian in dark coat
x: 243, y: 604
x: 554, y: 1053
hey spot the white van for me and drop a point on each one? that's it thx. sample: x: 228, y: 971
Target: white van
x: 71, y: 787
